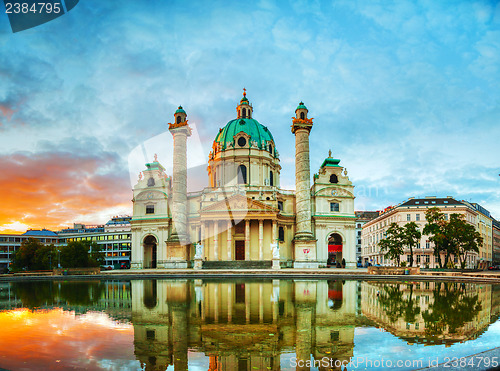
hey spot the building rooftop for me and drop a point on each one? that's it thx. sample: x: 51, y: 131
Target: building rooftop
x: 43, y: 232
x: 430, y: 201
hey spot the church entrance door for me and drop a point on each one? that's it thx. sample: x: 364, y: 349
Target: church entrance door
x: 239, y: 250
x: 150, y: 244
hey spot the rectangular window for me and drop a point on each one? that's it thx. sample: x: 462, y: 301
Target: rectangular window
x: 408, y: 217
x: 408, y: 258
x: 417, y: 217
x: 150, y: 209
x: 418, y: 259
x: 427, y: 245
x: 445, y: 216
x: 334, y: 206
x: 427, y: 258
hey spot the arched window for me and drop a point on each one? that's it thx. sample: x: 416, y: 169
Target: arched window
x: 281, y: 234
x: 334, y: 179
x: 242, y: 174
x: 179, y: 119
x: 244, y: 112
x: 302, y: 116
x: 271, y: 149
x: 271, y: 179
x: 151, y: 182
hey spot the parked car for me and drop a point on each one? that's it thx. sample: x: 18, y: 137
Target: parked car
x: 494, y: 268
x: 107, y: 267
x: 125, y: 265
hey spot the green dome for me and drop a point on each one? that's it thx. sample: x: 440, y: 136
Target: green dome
x: 301, y: 106
x: 180, y: 110
x: 256, y: 131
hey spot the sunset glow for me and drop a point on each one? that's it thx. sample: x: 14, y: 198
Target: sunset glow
x: 57, y: 339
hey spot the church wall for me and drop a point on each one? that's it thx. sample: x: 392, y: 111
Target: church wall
x: 268, y: 227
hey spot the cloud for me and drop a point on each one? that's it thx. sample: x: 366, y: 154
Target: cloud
x: 52, y: 189
x: 403, y: 92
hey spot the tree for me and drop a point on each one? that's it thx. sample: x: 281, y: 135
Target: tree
x: 453, y: 237
x: 33, y: 255
x: 81, y: 254
x: 463, y: 238
x: 434, y: 228
x: 411, y: 236
x: 393, y: 243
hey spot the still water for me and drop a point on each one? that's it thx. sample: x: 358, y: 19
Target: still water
x: 244, y: 325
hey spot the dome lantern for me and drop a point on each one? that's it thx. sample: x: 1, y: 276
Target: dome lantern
x: 244, y: 109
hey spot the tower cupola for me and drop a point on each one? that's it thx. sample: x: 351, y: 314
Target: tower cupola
x: 180, y: 117
x: 301, y: 111
x: 244, y: 109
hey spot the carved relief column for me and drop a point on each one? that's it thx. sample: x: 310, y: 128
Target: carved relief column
x: 229, y: 240
x: 304, y: 241
x: 178, y: 245
x: 261, y: 239
x: 247, y: 239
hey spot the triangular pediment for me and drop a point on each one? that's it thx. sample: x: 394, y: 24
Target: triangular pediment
x: 238, y: 203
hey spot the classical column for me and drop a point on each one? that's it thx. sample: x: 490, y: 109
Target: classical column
x: 247, y: 303
x: 216, y: 303
x: 261, y: 239
x: 229, y: 240
x: 230, y: 303
x: 275, y: 232
x: 261, y: 304
x: 247, y: 239
x: 304, y: 241
x: 202, y: 238
x: 216, y: 240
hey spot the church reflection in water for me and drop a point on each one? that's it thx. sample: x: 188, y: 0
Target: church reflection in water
x: 263, y: 325
x: 242, y: 325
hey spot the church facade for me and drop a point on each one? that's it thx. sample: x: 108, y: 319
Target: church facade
x: 243, y: 219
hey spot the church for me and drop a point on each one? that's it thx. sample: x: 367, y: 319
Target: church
x: 242, y: 218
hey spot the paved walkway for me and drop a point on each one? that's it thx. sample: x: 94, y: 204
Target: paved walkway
x: 321, y: 273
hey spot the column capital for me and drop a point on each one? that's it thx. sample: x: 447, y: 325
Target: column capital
x: 298, y: 124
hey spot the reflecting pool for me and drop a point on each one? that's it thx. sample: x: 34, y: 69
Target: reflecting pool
x: 244, y: 324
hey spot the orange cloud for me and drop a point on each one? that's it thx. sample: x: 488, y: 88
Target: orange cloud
x: 53, y: 189
x: 56, y: 339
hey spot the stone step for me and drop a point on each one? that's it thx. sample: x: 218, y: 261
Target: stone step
x: 238, y: 264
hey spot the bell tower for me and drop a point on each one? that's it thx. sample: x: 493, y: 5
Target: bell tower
x: 304, y: 241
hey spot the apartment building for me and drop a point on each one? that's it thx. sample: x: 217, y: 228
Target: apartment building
x: 413, y: 210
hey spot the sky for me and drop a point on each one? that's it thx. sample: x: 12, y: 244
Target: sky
x: 405, y: 93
